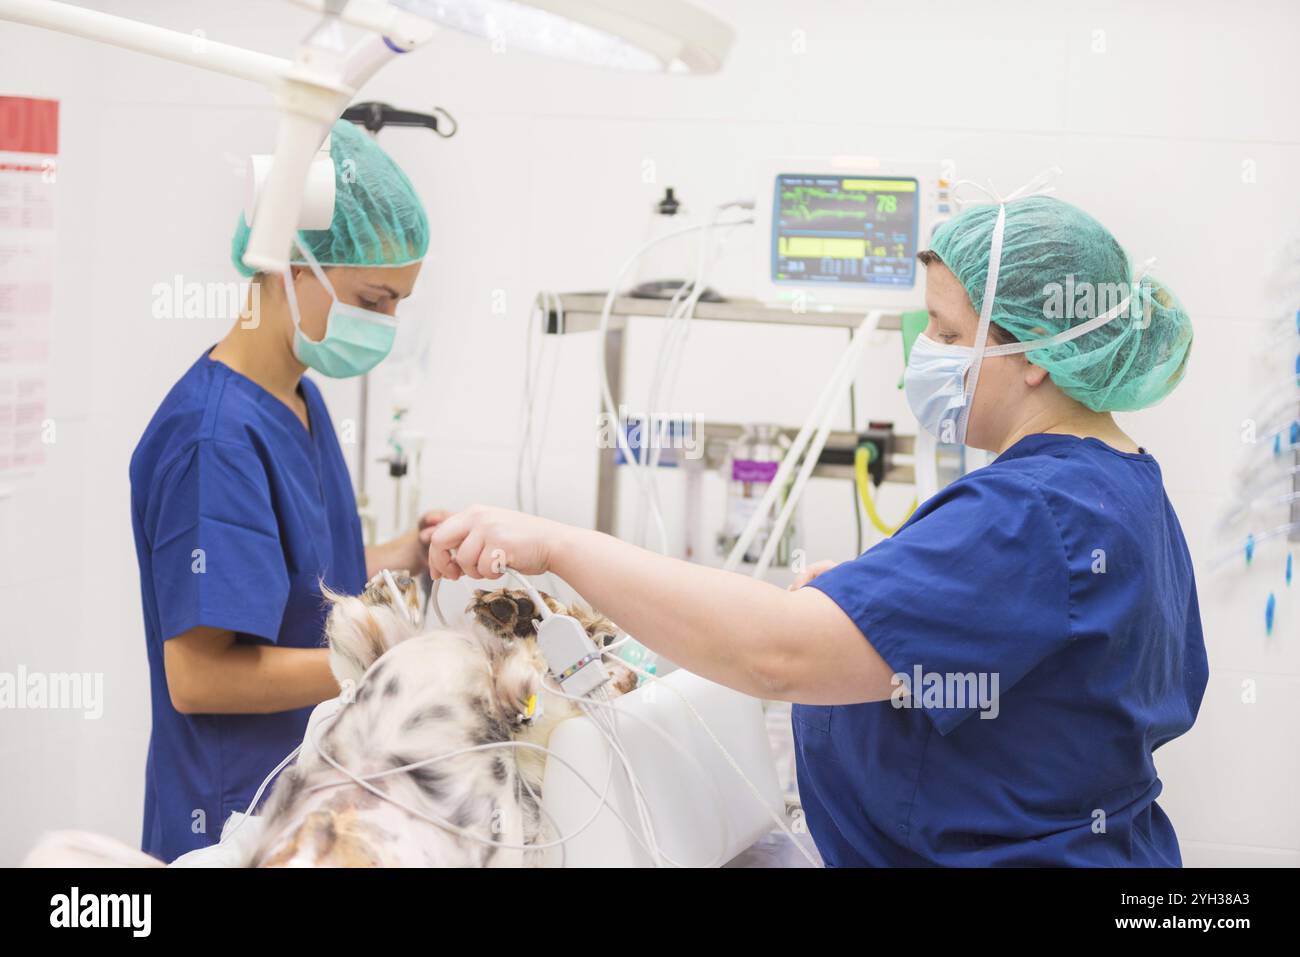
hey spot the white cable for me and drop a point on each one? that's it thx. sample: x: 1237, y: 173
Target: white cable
x: 1268, y: 479
x: 760, y: 513
x: 671, y: 346
x: 651, y: 453
x: 606, y: 729
x: 681, y: 301
x: 555, y: 827
x: 396, y: 594
x: 825, y: 399
x: 526, y: 407
x: 439, y: 821
x: 602, y: 796
x: 258, y: 795
x: 639, y: 804
x: 606, y: 393
x: 681, y: 310
x: 542, y: 608
x: 434, y: 585
x: 846, y: 378
x: 1223, y: 559
x: 540, y: 448
x: 532, y: 442
x: 669, y: 740
x: 606, y: 721
x: 608, y: 653
x: 729, y: 759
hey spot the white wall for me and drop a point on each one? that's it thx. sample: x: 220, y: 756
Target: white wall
x: 1153, y: 110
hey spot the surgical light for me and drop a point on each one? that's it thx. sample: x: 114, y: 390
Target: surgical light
x: 312, y: 89
x: 623, y: 34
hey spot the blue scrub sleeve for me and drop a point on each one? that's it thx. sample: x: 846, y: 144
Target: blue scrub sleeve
x: 216, y: 552
x: 976, y: 584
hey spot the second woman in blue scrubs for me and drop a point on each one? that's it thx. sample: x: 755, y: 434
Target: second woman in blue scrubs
x: 989, y: 685
x: 242, y: 506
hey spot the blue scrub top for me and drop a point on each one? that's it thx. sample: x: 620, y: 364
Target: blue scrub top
x: 238, y: 513
x: 1062, y: 568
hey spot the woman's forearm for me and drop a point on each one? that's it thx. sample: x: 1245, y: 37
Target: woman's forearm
x: 729, y: 628
x: 208, y: 672
x: 726, y: 627
x: 383, y: 555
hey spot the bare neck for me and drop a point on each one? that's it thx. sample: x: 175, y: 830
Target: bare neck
x: 260, y: 351
x: 1077, y: 420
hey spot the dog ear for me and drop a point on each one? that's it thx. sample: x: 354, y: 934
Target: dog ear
x: 358, y: 633
x: 599, y: 628
x: 377, y: 592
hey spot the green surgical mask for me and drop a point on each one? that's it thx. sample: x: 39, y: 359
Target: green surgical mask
x: 355, y: 341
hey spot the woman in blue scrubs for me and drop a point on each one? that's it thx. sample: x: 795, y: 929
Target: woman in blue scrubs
x: 988, y: 686
x: 242, y: 506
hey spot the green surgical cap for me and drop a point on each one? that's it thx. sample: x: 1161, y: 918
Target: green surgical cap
x: 1059, y: 268
x: 378, y: 219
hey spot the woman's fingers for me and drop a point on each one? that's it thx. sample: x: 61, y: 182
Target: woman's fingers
x: 492, y: 563
x: 811, y: 572
x: 466, y: 554
x: 429, y: 521
x: 444, y: 538
x: 481, y: 542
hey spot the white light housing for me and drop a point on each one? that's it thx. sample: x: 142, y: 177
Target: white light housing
x: 649, y: 35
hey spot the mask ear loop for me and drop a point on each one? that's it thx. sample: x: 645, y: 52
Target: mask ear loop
x: 292, y: 296
x: 315, y: 267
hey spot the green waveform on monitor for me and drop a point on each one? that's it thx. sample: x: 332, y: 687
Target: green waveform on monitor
x: 806, y: 213
x: 797, y: 194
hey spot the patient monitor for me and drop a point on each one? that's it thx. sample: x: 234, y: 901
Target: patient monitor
x: 845, y: 231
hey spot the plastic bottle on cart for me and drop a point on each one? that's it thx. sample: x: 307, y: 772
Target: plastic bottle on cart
x: 751, y: 464
x: 665, y: 267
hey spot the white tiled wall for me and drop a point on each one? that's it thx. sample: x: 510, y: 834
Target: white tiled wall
x: 1153, y: 110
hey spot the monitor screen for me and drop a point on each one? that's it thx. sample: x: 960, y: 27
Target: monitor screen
x: 847, y: 230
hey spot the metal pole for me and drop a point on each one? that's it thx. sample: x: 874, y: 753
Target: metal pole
x: 607, y: 469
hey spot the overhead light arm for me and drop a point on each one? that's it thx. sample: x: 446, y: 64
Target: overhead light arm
x: 312, y: 89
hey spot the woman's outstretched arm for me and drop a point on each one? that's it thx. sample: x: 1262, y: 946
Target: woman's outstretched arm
x: 729, y: 628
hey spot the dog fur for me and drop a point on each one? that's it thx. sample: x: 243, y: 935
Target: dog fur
x: 411, y: 695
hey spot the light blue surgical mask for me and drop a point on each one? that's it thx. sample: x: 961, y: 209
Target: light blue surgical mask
x: 355, y: 341
x: 935, y: 385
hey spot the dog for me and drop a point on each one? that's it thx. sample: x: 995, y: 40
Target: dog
x: 463, y: 696
x: 510, y: 615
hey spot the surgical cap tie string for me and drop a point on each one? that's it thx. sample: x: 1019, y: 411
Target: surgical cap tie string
x: 1083, y: 328
x: 1040, y: 185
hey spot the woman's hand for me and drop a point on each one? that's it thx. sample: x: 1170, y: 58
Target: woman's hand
x: 405, y: 552
x: 428, y: 522
x: 485, y: 540
x: 811, y: 572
